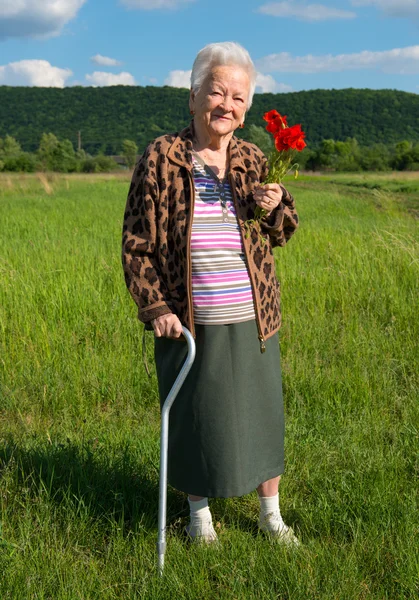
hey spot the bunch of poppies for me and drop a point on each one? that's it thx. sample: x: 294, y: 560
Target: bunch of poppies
x: 286, y: 138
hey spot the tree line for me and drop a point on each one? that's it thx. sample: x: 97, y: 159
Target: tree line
x: 99, y: 119
x: 59, y: 155
x: 347, y: 155
x: 335, y: 155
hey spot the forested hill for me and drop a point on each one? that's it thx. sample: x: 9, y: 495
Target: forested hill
x: 106, y: 116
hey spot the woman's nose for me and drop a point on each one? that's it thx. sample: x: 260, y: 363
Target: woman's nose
x: 227, y: 102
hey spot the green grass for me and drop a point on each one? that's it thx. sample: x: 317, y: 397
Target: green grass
x: 402, y: 187
x: 79, y: 419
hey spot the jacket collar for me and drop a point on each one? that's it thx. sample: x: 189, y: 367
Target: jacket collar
x: 180, y: 152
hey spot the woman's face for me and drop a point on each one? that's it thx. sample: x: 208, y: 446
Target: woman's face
x: 221, y: 102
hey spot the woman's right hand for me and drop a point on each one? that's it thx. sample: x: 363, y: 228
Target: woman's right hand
x: 167, y: 326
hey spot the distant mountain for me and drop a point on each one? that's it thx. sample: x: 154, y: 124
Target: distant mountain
x: 106, y: 116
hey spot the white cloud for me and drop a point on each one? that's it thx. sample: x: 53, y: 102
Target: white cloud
x: 266, y: 83
x: 36, y: 18
x: 179, y: 79
x: 105, y: 61
x: 401, y: 61
x: 102, y: 79
x: 154, y: 4
x: 38, y: 73
x: 304, y: 12
x: 393, y: 8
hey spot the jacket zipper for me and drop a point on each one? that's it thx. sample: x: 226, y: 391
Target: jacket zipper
x: 260, y: 336
x: 188, y: 255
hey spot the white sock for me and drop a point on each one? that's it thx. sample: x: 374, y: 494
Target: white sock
x: 200, y: 525
x: 200, y: 511
x: 269, y: 505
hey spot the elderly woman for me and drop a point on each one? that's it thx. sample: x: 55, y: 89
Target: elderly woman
x: 188, y: 261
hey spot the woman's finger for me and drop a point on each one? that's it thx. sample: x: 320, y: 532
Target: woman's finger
x: 160, y: 326
x: 174, y: 332
x: 170, y: 329
x: 156, y: 328
x: 177, y: 329
x: 168, y: 325
x: 273, y: 195
x: 272, y: 186
x: 272, y: 198
x: 265, y: 205
x: 270, y: 201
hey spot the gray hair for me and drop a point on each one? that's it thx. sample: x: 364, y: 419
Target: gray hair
x: 223, y: 53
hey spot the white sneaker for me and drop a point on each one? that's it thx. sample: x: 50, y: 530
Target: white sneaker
x: 275, y: 527
x: 201, y: 531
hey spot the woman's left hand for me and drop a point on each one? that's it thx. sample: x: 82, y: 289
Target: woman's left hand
x: 268, y: 196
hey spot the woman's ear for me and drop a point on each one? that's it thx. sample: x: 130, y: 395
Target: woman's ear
x: 191, y: 101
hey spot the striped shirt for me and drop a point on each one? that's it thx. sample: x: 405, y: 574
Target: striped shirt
x: 221, y: 289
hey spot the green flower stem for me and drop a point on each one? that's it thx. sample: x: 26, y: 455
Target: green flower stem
x: 281, y: 163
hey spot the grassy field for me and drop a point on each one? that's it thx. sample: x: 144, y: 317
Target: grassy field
x: 79, y: 419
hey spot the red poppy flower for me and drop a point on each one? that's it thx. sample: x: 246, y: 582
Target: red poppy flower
x: 291, y: 137
x: 276, y: 122
x: 271, y: 115
x: 275, y: 125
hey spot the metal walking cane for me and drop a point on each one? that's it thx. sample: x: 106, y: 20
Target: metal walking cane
x: 164, y: 437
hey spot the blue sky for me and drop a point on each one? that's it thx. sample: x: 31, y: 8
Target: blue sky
x: 296, y: 44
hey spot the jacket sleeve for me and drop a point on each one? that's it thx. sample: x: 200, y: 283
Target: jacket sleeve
x: 139, y: 244
x: 281, y: 224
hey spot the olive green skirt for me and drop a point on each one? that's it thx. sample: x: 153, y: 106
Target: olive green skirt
x: 226, y: 426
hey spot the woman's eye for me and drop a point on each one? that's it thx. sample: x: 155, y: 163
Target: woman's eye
x: 239, y: 99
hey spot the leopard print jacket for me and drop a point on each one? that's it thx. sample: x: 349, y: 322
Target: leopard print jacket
x: 158, y: 223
